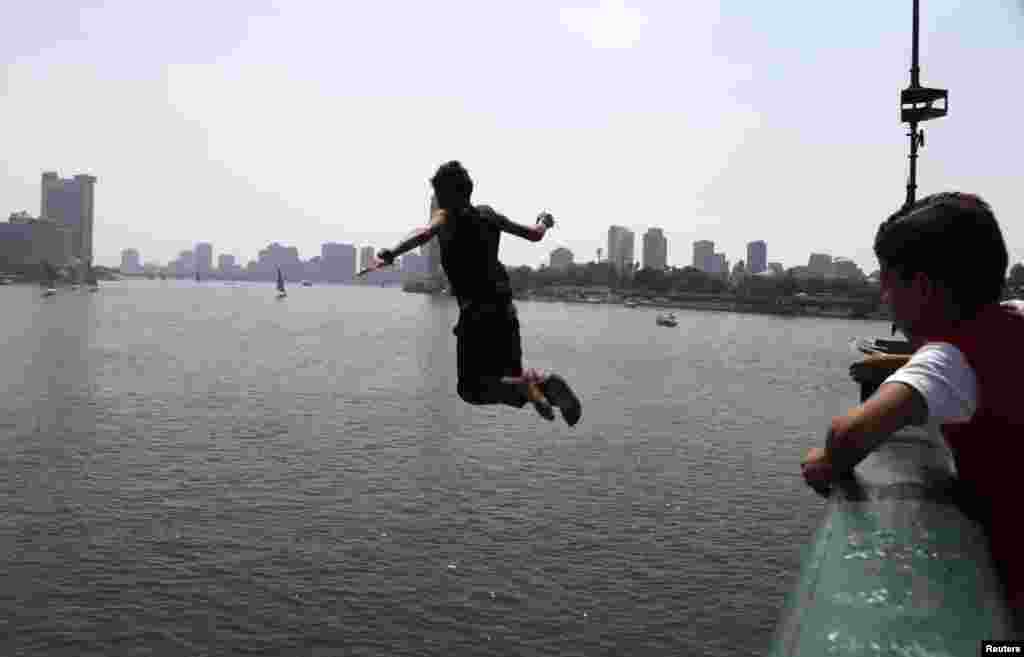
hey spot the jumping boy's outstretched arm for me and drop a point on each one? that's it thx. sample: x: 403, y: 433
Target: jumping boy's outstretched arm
x: 533, y: 233
x: 419, y: 238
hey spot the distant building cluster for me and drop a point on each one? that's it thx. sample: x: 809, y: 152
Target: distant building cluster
x: 62, y: 233
x: 337, y: 263
x: 621, y: 249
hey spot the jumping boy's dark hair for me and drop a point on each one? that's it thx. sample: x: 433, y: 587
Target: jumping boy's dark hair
x: 452, y: 185
x: 954, y: 239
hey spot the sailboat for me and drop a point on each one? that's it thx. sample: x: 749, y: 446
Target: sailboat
x: 51, y: 277
x: 280, y: 285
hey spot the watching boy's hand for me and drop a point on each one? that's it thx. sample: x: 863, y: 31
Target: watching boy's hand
x: 386, y: 256
x: 546, y: 219
x: 817, y: 471
x: 875, y: 369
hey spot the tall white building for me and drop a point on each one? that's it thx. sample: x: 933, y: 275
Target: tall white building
x: 620, y: 248
x: 704, y: 255
x: 757, y: 257
x: 655, y: 249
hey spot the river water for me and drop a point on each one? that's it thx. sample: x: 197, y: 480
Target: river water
x: 201, y: 469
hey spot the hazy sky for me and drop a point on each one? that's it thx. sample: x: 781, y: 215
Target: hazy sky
x: 242, y: 123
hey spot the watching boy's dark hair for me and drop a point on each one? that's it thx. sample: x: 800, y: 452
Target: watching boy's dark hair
x: 952, y: 238
x: 452, y: 185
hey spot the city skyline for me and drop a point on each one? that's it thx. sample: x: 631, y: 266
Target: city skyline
x: 703, y: 256
x: 248, y: 134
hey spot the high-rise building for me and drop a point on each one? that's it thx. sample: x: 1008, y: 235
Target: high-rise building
x: 777, y: 268
x: 757, y: 257
x: 620, y: 248
x: 366, y: 257
x: 655, y: 249
x: 130, y: 262
x: 337, y: 262
x: 820, y: 264
x: 204, y: 258
x: 561, y: 258
x: 71, y: 202
x: 704, y: 255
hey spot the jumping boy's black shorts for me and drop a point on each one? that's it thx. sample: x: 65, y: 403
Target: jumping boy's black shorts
x: 489, y: 343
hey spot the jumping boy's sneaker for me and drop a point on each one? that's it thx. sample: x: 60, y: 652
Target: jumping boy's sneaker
x: 558, y: 392
x: 544, y: 409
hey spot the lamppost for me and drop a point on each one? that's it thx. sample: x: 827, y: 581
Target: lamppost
x: 918, y: 104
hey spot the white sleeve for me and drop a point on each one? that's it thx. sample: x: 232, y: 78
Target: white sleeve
x: 939, y: 371
x: 1016, y: 304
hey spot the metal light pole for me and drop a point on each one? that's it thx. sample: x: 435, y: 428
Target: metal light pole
x: 917, y: 104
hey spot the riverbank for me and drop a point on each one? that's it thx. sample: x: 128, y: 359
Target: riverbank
x: 788, y: 307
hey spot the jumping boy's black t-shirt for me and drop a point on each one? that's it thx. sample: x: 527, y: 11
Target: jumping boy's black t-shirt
x: 469, y: 254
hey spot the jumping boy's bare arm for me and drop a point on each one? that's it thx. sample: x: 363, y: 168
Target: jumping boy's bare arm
x: 419, y: 238
x: 533, y: 233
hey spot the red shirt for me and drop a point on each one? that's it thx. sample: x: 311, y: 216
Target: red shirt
x: 989, y: 449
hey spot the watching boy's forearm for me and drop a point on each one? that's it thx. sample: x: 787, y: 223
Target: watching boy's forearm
x: 848, y: 443
x: 853, y: 436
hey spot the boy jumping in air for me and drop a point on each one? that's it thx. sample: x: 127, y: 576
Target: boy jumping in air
x: 489, y: 346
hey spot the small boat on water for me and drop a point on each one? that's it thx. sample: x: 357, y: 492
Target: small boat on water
x: 666, y: 319
x: 307, y: 283
x: 631, y: 304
